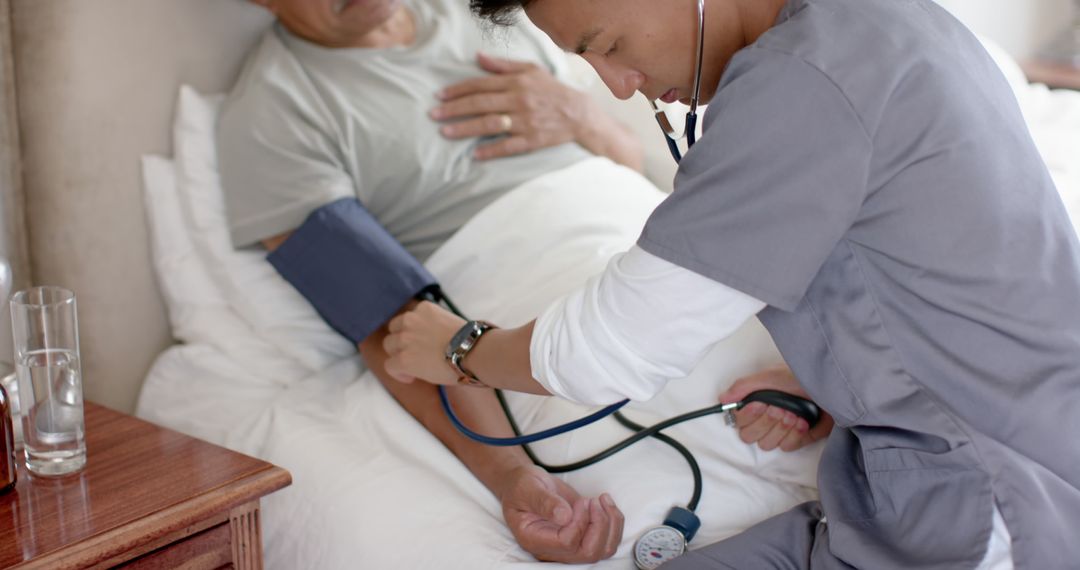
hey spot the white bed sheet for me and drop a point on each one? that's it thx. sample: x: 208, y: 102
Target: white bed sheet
x: 373, y: 489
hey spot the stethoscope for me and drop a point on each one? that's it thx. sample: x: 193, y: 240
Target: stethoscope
x: 690, y: 127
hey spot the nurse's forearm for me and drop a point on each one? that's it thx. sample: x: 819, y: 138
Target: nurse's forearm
x: 501, y: 360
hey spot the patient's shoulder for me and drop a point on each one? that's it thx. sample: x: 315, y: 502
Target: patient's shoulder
x: 270, y: 74
x: 273, y: 99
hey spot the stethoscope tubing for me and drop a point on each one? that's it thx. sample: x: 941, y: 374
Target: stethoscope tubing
x: 525, y: 439
x: 641, y: 432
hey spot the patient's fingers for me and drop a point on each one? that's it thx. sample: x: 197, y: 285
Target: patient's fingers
x: 569, y: 536
x: 615, y: 529
x: 502, y: 65
x: 551, y: 506
x: 483, y: 126
x: 594, y: 540
x: 477, y: 104
x: 484, y: 84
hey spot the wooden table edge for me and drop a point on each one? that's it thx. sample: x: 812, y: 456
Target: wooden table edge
x: 149, y: 529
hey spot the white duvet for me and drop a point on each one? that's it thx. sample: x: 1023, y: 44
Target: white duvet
x: 373, y: 489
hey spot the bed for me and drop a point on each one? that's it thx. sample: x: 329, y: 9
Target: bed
x: 140, y: 244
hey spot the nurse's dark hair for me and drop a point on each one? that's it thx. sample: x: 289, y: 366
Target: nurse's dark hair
x: 498, y: 12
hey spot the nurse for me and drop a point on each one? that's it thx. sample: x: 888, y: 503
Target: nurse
x: 866, y: 186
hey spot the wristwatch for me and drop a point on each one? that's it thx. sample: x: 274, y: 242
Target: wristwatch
x: 460, y: 345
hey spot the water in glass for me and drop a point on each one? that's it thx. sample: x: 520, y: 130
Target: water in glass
x: 53, y: 436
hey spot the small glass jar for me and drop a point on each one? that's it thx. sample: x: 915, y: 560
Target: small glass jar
x: 10, y: 383
x: 8, y: 466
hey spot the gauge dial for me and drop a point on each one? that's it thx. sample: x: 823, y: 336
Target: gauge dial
x: 657, y: 546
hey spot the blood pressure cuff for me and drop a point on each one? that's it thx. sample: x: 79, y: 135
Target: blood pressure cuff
x: 350, y: 268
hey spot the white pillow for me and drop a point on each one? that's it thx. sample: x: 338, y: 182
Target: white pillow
x: 250, y: 285
x: 190, y: 295
x: 199, y: 312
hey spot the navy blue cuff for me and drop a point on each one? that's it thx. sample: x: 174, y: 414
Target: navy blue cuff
x: 355, y: 274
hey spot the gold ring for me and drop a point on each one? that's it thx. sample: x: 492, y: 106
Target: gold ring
x: 506, y: 122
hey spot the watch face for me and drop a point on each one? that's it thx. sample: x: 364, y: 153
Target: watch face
x: 459, y: 339
x: 657, y: 546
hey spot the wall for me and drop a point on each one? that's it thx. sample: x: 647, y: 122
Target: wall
x: 13, y: 245
x: 1022, y: 27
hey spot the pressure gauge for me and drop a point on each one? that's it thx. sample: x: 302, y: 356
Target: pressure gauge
x: 657, y: 546
x: 667, y: 541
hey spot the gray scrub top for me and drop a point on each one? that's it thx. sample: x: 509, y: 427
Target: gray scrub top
x: 866, y: 172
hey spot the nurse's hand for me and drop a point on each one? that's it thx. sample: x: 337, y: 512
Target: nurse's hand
x: 554, y: 523
x: 417, y: 344
x: 768, y: 426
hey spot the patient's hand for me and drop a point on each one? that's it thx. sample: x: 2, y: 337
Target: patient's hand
x: 538, y: 109
x: 552, y: 522
x: 769, y: 426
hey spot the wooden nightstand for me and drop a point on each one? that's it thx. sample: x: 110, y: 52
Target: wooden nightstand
x: 148, y: 498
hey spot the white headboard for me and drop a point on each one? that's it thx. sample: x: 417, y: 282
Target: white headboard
x: 94, y: 87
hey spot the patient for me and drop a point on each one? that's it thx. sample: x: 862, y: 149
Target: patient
x: 394, y: 104
x: 342, y: 99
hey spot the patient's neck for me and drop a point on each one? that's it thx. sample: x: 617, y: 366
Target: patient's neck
x: 398, y: 30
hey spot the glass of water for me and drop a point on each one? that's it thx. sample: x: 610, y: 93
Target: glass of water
x: 45, y: 330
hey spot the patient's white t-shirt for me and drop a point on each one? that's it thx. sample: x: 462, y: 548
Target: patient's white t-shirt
x: 306, y: 125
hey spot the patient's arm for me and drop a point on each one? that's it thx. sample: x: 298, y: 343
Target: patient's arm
x: 547, y: 517
x: 543, y: 112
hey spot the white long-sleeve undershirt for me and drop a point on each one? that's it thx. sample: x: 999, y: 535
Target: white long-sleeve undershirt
x: 631, y: 329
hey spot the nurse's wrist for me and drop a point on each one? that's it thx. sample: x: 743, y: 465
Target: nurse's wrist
x: 501, y: 360
x: 461, y: 345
